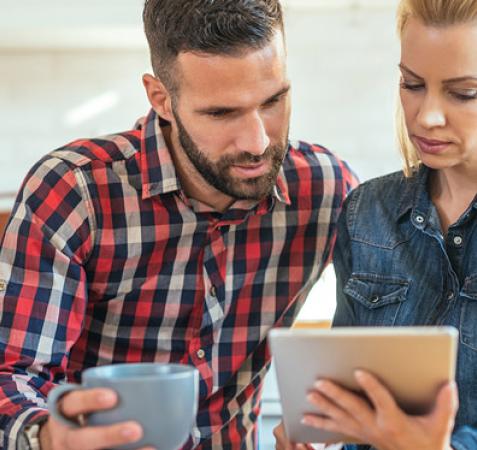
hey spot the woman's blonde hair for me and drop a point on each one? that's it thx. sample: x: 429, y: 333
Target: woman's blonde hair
x: 433, y: 13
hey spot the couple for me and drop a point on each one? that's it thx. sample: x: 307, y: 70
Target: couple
x: 187, y: 238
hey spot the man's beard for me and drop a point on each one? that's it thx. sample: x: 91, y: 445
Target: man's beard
x: 217, y: 174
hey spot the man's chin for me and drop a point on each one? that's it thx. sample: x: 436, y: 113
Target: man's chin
x: 252, y: 189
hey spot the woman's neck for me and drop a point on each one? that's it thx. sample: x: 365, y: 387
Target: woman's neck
x: 452, y: 190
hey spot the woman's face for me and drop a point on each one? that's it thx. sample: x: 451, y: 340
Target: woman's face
x: 439, y: 92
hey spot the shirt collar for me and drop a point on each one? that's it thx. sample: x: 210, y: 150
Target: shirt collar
x: 414, y: 195
x: 159, y: 175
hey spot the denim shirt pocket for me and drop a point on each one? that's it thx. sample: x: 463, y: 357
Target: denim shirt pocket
x: 377, y: 298
x: 468, y: 317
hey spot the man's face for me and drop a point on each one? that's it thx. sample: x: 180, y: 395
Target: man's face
x: 231, y: 118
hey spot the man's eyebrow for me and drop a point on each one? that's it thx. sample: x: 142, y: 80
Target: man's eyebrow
x: 229, y: 109
x: 279, y: 94
x: 448, y: 81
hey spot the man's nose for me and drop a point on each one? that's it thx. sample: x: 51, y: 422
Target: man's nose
x: 431, y: 113
x: 253, y: 138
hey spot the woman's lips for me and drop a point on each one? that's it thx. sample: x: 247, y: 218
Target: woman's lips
x: 431, y: 146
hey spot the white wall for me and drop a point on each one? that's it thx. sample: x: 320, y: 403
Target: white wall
x: 342, y: 63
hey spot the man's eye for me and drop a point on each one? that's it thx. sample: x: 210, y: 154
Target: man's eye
x: 272, y: 102
x: 218, y: 114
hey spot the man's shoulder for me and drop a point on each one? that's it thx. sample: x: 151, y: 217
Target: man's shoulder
x: 104, y: 149
x: 313, y: 156
x: 318, y: 165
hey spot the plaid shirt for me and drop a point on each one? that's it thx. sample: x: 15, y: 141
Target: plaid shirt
x: 105, y: 260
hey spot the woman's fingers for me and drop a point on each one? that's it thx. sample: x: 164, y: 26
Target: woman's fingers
x: 325, y: 406
x: 446, y: 406
x: 347, y: 401
x: 378, y: 394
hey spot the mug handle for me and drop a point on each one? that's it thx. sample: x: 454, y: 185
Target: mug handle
x: 54, y: 395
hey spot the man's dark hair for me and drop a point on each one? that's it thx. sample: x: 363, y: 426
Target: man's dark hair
x: 221, y: 27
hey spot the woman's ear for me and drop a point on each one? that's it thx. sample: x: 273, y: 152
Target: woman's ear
x: 158, y: 95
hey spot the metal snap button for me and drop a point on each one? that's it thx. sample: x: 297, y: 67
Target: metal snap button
x: 419, y: 219
x: 200, y: 354
x: 374, y: 299
x: 458, y: 240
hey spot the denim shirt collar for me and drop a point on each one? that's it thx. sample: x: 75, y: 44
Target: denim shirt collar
x: 415, y: 197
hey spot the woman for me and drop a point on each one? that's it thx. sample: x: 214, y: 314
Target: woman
x: 417, y: 229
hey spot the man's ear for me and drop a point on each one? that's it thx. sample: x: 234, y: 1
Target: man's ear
x: 159, y: 97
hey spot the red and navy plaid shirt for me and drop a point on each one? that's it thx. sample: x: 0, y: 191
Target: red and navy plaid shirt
x: 105, y: 260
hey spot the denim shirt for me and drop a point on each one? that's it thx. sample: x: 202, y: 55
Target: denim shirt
x: 395, y: 267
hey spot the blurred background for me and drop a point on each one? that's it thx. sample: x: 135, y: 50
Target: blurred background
x: 72, y: 69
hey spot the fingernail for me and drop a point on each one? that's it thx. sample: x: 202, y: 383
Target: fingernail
x: 107, y: 398
x: 131, y: 431
x: 320, y: 385
x: 359, y: 374
x: 305, y: 421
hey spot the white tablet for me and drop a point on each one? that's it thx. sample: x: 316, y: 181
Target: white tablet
x: 413, y: 362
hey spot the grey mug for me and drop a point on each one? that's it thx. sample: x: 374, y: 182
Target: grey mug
x: 163, y: 398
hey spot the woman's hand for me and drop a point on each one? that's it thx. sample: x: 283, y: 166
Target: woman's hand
x: 282, y: 442
x: 382, y: 424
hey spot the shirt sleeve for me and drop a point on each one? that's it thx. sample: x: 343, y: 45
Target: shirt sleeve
x: 346, y: 180
x: 464, y: 438
x: 43, y: 291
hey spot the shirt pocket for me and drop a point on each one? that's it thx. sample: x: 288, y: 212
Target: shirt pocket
x: 468, y: 318
x: 377, y: 298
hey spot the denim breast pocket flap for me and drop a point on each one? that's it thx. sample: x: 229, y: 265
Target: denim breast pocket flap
x: 469, y: 290
x: 375, y: 291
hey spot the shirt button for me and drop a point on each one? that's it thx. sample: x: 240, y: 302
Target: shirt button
x: 213, y: 291
x: 419, y: 219
x: 200, y: 354
x: 458, y: 241
x: 3, y: 285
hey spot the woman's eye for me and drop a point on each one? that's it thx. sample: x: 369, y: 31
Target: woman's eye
x: 465, y: 94
x: 411, y: 86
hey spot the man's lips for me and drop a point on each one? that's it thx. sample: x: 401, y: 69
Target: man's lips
x: 251, y: 170
x: 432, y: 146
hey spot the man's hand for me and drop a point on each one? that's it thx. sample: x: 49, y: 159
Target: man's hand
x: 383, y: 424
x: 56, y: 436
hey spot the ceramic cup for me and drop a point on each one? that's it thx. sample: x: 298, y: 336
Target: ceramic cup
x: 163, y: 398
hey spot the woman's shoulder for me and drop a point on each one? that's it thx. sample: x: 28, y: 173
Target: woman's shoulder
x: 390, y: 182
x: 386, y: 189
x: 377, y: 203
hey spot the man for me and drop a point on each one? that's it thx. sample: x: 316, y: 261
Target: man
x: 184, y: 240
